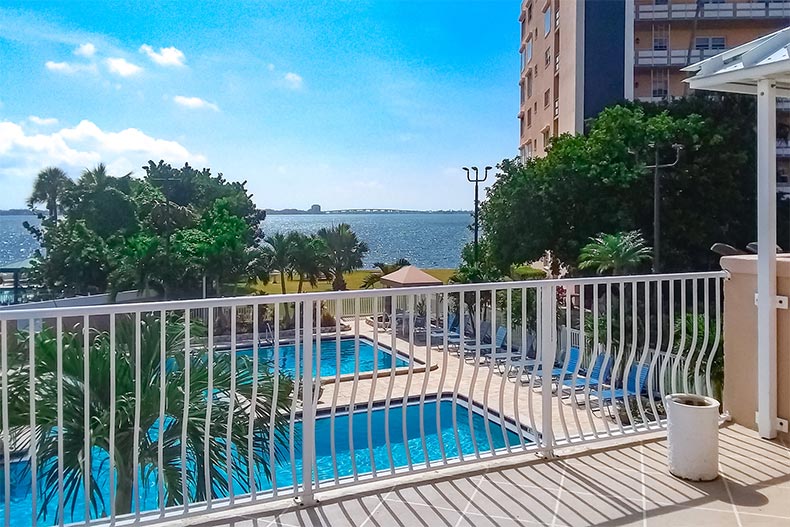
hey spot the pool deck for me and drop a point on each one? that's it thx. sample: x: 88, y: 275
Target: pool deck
x: 480, y: 383
x: 624, y: 484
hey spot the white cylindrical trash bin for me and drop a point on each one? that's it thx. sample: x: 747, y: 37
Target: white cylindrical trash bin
x: 693, y: 436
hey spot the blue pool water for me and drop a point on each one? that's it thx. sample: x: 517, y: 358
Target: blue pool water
x: 368, y: 356
x: 404, y: 442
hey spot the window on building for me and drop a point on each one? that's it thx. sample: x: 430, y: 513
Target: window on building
x: 660, y: 88
x: 528, y: 50
x: 523, y: 92
x: 529, y: 85
x: 529, y: 118
x: 547, y: 98
x: 546, y: 136
x: 523, y: 123
x: 704, y: 43
x: 548, y: 57
x: 547, y: 21
x: 529, y: 12
x: 659, y: 2
x: 530, y: 150
x: 659, y: 43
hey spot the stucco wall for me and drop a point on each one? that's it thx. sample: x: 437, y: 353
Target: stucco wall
x: 740, y: 339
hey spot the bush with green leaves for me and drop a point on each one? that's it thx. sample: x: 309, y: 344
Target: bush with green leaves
x: 165, y: 377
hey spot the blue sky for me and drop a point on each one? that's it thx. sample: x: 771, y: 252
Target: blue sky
x: 346, y: 104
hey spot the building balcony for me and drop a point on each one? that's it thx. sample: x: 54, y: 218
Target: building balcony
x: 714, y: 10
x: 399, y: 387
x: 674, y: 57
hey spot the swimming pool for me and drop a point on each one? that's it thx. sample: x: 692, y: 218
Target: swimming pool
x: 405, y: 442
x: 368, y: 356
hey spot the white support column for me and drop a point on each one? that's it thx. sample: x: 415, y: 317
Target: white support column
x: 628, y: 59
x: 308, y: 408
x: 547, y: 299
x: 766, y: 258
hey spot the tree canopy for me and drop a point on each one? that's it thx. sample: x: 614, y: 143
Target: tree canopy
x: 596, y: 182
x: 165, y: 231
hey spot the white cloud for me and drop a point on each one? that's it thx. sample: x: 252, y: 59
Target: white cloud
x: 122, y: 67
x: 194, y: 103
x: 42, y: 121
x: 293, y: 80
x: 85, y: 50
x: 171, y: 56
x: 23, y: 154
x: 69, y: 68
x: 270, y: 67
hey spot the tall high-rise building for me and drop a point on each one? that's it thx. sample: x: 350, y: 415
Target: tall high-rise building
x: 578, y: 56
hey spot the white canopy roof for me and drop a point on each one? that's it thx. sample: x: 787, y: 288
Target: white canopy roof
x: 762, y: 68
x: 738, y: 69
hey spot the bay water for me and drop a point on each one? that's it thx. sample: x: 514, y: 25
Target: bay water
x: 429, y: 240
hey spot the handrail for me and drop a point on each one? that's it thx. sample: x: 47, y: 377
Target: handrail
x: 142, y: 307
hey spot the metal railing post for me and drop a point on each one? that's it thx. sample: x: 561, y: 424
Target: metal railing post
x: 308, y: 409
x: 548, y: 348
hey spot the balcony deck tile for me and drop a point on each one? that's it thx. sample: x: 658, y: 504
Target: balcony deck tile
x: 622, y: 484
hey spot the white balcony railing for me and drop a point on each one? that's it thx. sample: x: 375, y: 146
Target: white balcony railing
x: 150, y: 409
x: 673, y: 57
x: 714, y: 10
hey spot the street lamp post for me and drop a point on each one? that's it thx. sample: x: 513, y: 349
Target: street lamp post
x: 657, y: 200
x: 476, y: 180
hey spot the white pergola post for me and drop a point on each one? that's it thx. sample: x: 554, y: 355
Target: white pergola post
x: 766, y: 258
x: 760, y: 67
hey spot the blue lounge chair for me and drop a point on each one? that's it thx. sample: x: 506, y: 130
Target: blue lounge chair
x: 597, y: 375
x: 452, y: 328
x: 453, y: 335
x: 558, y: 373
x: 635, y: 386
x: 489, y: 349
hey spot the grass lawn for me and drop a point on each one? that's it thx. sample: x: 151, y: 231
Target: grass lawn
x: 353, y: 279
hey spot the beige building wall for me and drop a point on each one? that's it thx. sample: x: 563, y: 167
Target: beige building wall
x: 651, y: 63
x: 549, y: 108
x: 552, y: 91
x: 740, y: 339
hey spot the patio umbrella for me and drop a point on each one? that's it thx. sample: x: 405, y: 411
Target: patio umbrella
x: 409, y: 276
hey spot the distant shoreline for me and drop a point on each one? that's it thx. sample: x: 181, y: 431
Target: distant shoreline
x: 19, y: 212
x: 290, y: 212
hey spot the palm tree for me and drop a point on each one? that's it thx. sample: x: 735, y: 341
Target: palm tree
x: 277, y: 250
x: 374, y: 278
x: 618, y: 253
x: 344, y: 252
x: 49, y: 187
x: 185, y: 409
x: 306, y: 256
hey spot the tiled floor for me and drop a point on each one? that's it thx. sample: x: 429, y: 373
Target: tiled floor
x: 624, y: 485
